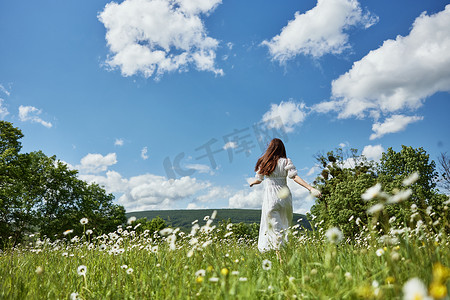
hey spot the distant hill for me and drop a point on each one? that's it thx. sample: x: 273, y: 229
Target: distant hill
x: 184, y: 218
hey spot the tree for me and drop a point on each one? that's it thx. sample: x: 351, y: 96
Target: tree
x: 344, y: 177
x: 444, y: 168
x: 153, y: 225
x: 40, y: 193
x: 394, y: 167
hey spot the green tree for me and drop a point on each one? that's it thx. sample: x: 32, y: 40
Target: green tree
x: 395, y: 167
x: 344, y: 177
x: 40, y: 193
x: 152, y: 226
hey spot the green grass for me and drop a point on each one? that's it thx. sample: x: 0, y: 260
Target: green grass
x: 311, y: 267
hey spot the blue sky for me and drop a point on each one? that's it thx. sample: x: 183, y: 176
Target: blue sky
x: 134, y: 93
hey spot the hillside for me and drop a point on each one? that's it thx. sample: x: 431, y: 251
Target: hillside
x: 184, y: 218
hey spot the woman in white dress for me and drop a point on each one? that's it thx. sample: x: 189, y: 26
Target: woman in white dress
x: 276, y: 215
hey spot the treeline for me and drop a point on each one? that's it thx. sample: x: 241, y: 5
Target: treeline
x: 399, y: 190
x: 41, y: 194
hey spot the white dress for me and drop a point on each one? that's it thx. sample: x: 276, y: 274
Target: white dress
x: 276, y: 215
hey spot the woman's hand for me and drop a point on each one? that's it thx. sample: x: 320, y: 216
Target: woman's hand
x: 255, y: 182
x: 315, y: 192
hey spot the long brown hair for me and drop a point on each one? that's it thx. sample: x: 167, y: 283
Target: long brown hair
x: 267, y: 163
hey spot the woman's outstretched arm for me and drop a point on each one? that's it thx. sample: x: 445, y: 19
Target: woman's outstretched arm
x: 303, y: 183
x: 256, y: 181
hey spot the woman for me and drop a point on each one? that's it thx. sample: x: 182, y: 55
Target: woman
x: 276, y: 213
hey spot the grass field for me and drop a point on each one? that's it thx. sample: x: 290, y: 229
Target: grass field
x: 409, y: 264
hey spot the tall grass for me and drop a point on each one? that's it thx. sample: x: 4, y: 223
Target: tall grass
x: 199, y: 265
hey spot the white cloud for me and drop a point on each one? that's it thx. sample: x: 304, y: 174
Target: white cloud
x: 286, y: 115
x: 4, y: 90
x: 213, y: 194
x: 144, y: 155
x: 230, y: 145
x: 95, y: 163
x: 148, y: 191
x: 373, y: 152
x: 31, y: 113
x: 397, y: 76
x: 401, y: 73
x: 393, y: 124
x: 3, y: 110
x: 156, y: 192
x: 153, y: 37
x: 118, y: 142
x: 319, y: 31
x: 200, y: 168
x: 112, y: 182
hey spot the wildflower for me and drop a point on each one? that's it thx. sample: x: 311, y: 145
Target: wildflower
x: 209, y: 268
x: 242, y: 278
x: 284, y: 192
x: 82, y: 270
x: 213, y: 215
x: 235, y: 273
x: 194, y: 222
x: 392, y: 219
x: 84, y: 221
x: 266, y: 264
x: 351, y: 218
x: 400, y: 196
x: 131, y: 220
x: 372, y: 192
x: 102, y: 247
x: 129, y: 271
x: 334, y: 235
x: 65, y: 254
x: 69, y: 231
x: 414, y: 289
x: 213, y: 279
x: 375, y: 208
x: 390, y: 280
x: 228, y: 234
x: 190, y: 253
x: 206, y: 218
x: 155, y: 249
x: 199, y: 279
x: 224, y: 271
x: 229, y: 226
x: 89, y: 232
x: 348, y: 276
x: 379, y: 252
x: 166, y: 231
x: 413, y: 207
x: 358, y: 221
x: 74, y: 296
x: 39, y: 270
x: 124, y: 266
x: 193, y: 241
x: 438, y: 290
x: 207, y: 243
x: 411, y: 179
x: 200, y: 273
